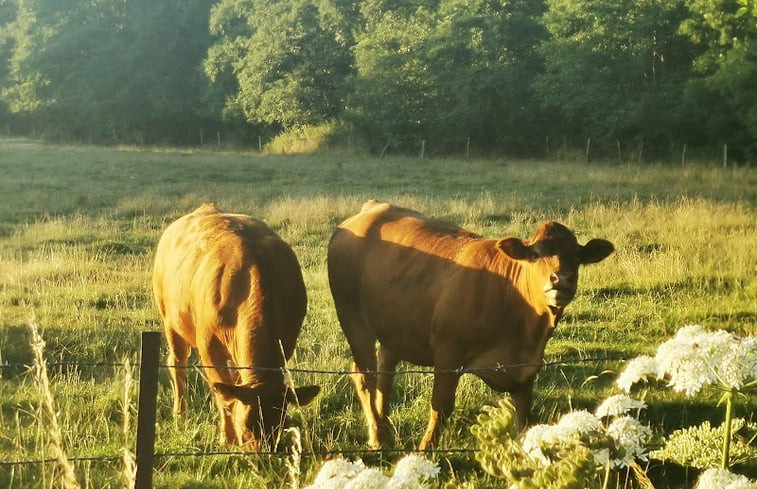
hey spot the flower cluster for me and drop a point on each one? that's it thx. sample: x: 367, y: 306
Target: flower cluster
x: 620, y: 442
x: 723, y: 479
x: 696, y: 358
x: 411, y: 472
x: 701, y: 446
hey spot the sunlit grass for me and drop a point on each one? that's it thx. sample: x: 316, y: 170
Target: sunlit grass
x: 78, y: 227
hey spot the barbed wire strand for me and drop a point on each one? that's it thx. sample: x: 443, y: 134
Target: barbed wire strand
x: 316, y: 453
x: 459, y: 370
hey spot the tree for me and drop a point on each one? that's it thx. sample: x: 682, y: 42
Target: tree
x: 277, y: 63
x: 8, y: 10
x: 108, y: 71
x: 615, y: 69
x: 720, y: 95
x: 445, y: 71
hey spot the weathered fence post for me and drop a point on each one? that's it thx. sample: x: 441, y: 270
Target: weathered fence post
x: 146, y: 414
x: 588, y: 145
x: 725, y: 155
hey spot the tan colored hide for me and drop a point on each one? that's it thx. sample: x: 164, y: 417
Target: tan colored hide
x: 434, y: 294
x: 228, y: 286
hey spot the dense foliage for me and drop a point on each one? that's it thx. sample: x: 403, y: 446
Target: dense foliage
x: 495, y: 75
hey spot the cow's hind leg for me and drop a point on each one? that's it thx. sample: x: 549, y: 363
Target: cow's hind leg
x: 387, y: 362
x: 363, y: 345
x: 178, y: 354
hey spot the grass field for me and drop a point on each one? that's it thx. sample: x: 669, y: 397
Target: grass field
x: 78, y: 226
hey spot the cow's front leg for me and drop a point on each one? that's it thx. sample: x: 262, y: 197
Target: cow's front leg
x: 442, y: 404
x: 522, y: 395
x: 387, y: 363
x: 178, y: 354
x: 227, y: 433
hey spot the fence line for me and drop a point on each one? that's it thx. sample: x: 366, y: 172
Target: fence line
x: 147, y: 405
x: 429, y: 371
x: 239, y: 453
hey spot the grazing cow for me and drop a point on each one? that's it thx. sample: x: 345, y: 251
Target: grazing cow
x: 434, y: 294
x: 227, y: 285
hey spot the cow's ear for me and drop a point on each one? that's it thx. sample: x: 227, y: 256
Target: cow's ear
x: 517, y: 249
x: 231, y: 392
x: 595, y: 251
x: 302, y: 395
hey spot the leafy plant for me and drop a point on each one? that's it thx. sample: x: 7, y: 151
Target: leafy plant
x: 567, y: 455
x: 695, y: 359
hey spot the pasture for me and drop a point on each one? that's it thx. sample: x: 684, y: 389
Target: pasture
x: 78, y: 226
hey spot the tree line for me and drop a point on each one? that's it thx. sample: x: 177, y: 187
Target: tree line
x: 498, y: 75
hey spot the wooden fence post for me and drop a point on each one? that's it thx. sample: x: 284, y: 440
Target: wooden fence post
x: 146, y: 414
x: 588, y: 145
x: 725, y: 155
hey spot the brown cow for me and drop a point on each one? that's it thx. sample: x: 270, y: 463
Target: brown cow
x: 438, y: 295
x: 227, y: 285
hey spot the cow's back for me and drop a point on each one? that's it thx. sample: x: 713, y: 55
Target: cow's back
x: 217, y: 272
x: 399, y: 272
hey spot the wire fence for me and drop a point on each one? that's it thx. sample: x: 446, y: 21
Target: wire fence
x: 287, y: 370
x: 284, y: 371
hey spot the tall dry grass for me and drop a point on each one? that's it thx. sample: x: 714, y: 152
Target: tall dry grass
x: 48, y: 414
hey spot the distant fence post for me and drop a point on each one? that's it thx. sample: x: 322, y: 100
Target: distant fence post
x: 725, y: 155
x: 588, y: 145
x: 146, y: 414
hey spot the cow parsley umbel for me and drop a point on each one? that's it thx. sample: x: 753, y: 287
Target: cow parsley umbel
x: 566, y: 454
x: 696, y: 359
x: 723, y: 479
x: 411, y: 472
x: 618, y: 405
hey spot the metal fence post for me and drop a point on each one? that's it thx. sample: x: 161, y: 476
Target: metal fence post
x: 146, y: 415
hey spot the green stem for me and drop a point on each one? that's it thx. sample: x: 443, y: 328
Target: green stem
x: 606, y: 483
x: 724, y: 463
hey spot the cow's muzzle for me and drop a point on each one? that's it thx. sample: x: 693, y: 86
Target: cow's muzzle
x: 559, y: 297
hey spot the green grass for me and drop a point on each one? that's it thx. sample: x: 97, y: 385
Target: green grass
x: 78, y: 227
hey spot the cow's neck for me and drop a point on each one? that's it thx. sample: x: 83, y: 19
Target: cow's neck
x: 524, y: 277
x: 256, y: 349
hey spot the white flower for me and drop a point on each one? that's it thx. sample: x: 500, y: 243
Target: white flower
x: 571, y: 426
x: 687, y: 360
x: 531, y: 442
x: 577, y: 422
x: 411, y: 471
x: 369, y: 478
x: 336, y: 482
x: 695, y: 358
x: 617, y: 405
x: 631, y: 436
x: 335, y: 473
x: 723, y: 479
x: 738, y: 364
x: 637, y: 369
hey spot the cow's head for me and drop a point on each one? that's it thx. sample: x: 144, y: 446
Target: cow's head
x: 555, y: 253
x: 258, y: 410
